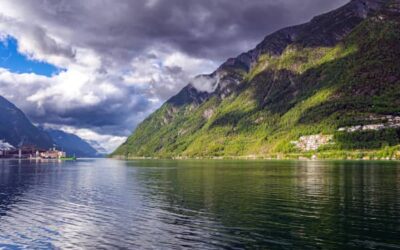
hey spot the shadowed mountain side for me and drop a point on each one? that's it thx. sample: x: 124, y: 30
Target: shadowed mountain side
x: 16, y: 129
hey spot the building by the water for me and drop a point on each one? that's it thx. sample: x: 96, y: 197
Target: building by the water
x: 51, y: 154
x: 31, y: 152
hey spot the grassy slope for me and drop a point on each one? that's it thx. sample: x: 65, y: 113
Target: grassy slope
x: 304, y: 91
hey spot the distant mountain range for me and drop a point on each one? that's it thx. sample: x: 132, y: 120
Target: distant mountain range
x: 324, y: 87
x: 73, y: 144
x: 100, y: 149
x: 17, y: 130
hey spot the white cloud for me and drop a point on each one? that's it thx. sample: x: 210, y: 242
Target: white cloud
x: 205, y: 83
x: 162, y: 73
x: 108, y: 142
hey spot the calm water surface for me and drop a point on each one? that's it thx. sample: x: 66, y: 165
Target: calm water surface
x: 94, y: 204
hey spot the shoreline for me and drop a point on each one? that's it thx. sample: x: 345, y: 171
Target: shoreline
x: 278, y: 157
x: 388, y: 153
x: 35, y: 159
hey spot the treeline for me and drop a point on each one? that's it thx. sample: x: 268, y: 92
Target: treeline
x: 367, y: 139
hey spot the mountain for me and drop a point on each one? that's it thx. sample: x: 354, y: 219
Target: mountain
x: 72, y: 144
x: 100, y: 149
x: 326, y: 87
x: 17, y: 130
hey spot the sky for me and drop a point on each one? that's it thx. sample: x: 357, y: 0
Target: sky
x: 97, y: 68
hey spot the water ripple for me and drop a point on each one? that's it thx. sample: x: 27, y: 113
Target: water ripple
x: 106, y: 204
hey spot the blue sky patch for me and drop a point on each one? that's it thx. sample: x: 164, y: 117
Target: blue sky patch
x: 16, y: 62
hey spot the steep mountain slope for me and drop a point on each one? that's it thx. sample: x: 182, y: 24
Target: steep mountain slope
x: 17, y: 130
x: 328, y: 85
x: 72, y: 144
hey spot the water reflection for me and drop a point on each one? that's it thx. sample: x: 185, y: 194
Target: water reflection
x: 200, y: 204
x: 14, y: 181
x: 285, y: 203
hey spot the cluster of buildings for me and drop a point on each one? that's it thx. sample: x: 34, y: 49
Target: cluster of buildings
x: 378, y: 123
x: 31, y: 152
x: 313, y: 142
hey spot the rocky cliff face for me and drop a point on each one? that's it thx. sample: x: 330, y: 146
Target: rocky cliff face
x: 302, y: 80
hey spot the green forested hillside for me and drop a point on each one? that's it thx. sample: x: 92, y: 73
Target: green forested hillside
x: 326, y: 77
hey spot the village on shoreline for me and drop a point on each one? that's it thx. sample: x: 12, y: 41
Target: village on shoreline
x: 31, y: 152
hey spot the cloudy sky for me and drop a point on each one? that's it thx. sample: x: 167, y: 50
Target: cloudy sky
x: 99, y: 67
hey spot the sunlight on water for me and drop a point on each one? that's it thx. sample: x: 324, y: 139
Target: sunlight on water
x: 199, y: 204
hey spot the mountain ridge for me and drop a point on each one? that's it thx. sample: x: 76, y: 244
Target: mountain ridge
x: 275, y: 43
x: 290, y: 73
x: 17, y: 129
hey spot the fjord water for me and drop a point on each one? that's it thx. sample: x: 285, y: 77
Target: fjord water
x: 199, y: 204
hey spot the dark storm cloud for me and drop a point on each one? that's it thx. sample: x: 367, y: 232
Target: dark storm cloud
x: 207, y: 28
x: 132, y: 39
x: 108, y: 117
